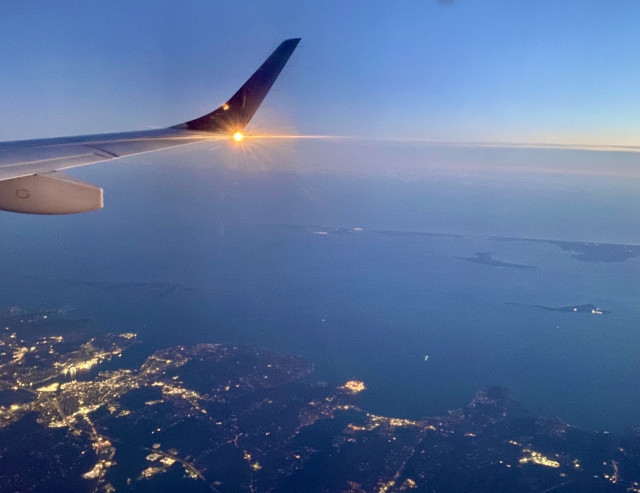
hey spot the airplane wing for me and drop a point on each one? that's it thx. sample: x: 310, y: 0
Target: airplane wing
x: 30, y: 176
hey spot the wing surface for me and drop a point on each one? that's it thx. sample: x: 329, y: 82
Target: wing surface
x: 30, y: 177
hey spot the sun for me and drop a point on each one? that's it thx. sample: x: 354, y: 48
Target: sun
x: 238, y: 136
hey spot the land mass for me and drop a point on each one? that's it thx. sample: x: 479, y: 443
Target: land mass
x: 486, y: 258
x: 586, y: 308
x: 584, y: 251
x: 219, y: 417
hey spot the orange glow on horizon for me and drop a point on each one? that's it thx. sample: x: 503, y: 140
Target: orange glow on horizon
x: 238, y: 136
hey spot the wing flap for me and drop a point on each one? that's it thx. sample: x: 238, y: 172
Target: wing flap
x: 50, y: 193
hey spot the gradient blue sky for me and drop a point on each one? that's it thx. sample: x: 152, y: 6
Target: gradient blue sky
x: 467, y: 70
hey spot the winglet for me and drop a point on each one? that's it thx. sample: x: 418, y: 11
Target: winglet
x: 234, y: 115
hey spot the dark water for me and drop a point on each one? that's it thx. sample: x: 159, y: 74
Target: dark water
x: 198, y: 257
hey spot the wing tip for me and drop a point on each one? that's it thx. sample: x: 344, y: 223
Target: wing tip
x: 236, y: 113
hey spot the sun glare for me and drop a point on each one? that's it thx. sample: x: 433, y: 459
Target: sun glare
x: 238, y: 136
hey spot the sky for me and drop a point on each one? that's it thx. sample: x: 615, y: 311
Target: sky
x: 457, y: 71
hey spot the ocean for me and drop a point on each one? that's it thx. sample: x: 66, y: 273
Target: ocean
x: 373, y: 276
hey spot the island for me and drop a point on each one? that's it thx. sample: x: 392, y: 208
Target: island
x: 486, y: 258
x: 586, y: 308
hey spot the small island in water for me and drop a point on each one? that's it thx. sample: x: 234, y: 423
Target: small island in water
x: 486, y: 258
x: 586, y: 308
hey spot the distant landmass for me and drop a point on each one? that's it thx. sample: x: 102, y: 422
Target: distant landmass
x: 77, y: 415
x: 486, y: 258
x: 158, y: 288
x: 584, y: 251
x: 586, y: 308
x: 590, y: 252
x: 598, y: 252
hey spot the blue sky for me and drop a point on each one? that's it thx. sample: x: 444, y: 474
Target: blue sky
x: 467, y: 70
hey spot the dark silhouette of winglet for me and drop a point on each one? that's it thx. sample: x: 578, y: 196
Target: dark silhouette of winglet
x: 234, y: 115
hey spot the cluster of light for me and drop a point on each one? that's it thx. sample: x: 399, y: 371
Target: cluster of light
x: 49, y: 388
x: 538, y: 458
x: 81, y: 366
x: 354, y: 386
x: 353, y: 427
x: 403, y: 422
x: 410, y: 483
x: 384, y: 487
x: 238, y: 136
